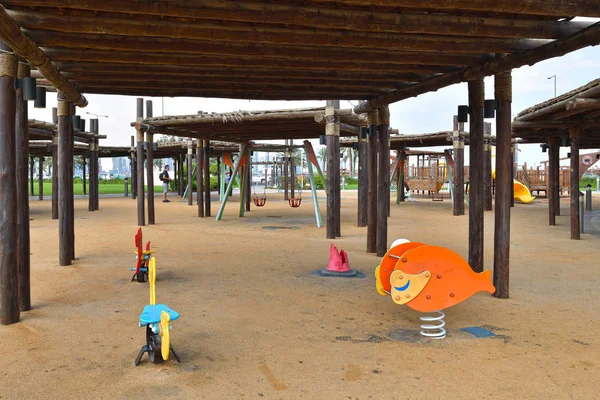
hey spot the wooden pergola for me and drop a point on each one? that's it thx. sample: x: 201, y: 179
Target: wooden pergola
x: 371, y: 50
x: 571, y: 120
x: 244, y: 128
x: 454, y: 141
x: 43, y: 141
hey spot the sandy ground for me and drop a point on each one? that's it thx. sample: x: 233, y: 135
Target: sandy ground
x: 256, y: 324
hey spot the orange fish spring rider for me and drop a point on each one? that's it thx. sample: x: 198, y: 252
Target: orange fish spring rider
x: 428, y: 279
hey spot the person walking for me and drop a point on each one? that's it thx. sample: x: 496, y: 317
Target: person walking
x: 164, y: 177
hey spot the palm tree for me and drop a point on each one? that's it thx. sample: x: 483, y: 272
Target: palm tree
x: 78, y: 163
x: 322, y: 155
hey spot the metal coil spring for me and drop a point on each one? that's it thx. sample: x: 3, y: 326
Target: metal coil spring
x: 434, y: 329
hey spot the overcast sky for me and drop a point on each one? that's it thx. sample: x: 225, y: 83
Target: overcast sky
x: 427, y: 113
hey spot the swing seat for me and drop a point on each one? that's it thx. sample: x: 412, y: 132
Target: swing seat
x: 295, y: 202
x: 260, y: 201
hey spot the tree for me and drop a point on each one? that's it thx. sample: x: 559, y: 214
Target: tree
x: 48, y: 165
x: 322, y: 155
x: 78, y: 163
x: 348, y: 155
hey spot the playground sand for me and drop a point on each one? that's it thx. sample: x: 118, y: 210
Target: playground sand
x: 255, y: 324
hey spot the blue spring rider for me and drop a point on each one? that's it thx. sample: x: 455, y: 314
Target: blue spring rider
x: 156, y: 318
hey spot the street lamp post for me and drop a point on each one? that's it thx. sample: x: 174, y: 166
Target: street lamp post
x: 553, y: 77
x: 97, y: 115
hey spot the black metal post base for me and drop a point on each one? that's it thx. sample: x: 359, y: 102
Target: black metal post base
x: 146, y: 349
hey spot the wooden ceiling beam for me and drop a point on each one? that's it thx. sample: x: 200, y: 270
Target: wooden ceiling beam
x: 240, y: 86
x: 234, y: 118
x: 11, y: 34
x: 246, y: 50
x: 290, y: 81
x: 230, y: 94
x: 587, y: 37
x: 64, y: 55
x: 554, y: 8
x: 328, y: 18
x: 174, y: 81
x: 268, y: 34
x: 243, y: 73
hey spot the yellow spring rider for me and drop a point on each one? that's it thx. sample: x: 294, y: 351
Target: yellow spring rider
x: 156, y: 318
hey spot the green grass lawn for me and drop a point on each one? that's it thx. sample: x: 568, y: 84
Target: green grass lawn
x: 103, y: 188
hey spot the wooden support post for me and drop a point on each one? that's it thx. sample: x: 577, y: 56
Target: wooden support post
x: 176, y: 174
x: 274, y: 174
x: 458, y: 146
x: 181, y: 188
x: 41, y: 178
x: 476, y: 180
x: 65, y: 139
x: 330, y: 188
x: 207, y: 178
x: 557, y: 183
x: 199, y: 184
x: 150, y: 167
x: 363, y: 190
x: 140, y: 165
x: 574, y: 133
x: 249, y: 180
x: 30, y: 169
x: 337, y: 177
x: 92, y: 168
x: 21, y: 158
x: 190, y: 176
x: 372, y: 181
x: 487, y: 159
x: 552, y: 179
x: 83, y: 163
x: 383, y: 185
x: 55, y: 165
x: 513, y: 167
x: 9, y: 272
x: 487, y: 193
x: 504, y: 166
x: 70, y: 185
x: 335, y: 172
x: 133, y: 169
x: 292, y: 171
x: 285, y: 173
x: 396, y: 174
x: 96, y: 173
x: 219, y: 176
x: 401, y: 175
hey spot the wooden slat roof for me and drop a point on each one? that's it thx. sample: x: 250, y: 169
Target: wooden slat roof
x: 579, y: 107
x: 436, y: 139
x: 284, y: 49
x: 244, y: 126
x: 43, y: 147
